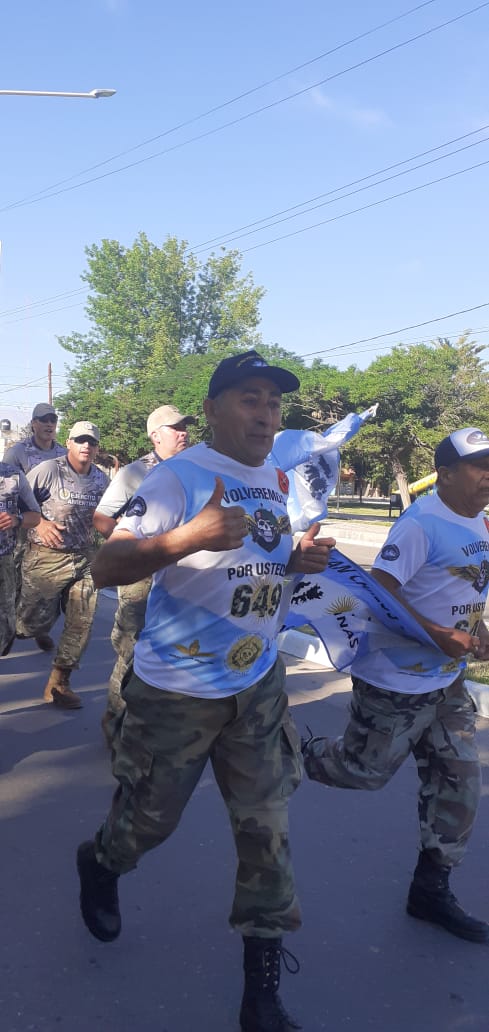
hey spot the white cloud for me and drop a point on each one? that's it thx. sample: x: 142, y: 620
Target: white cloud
x: 364, y: 117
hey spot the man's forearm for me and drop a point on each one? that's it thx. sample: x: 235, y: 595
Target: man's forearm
x: 124, y: 559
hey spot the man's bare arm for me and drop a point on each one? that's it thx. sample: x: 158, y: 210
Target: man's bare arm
x: 125, y: 559
x: 104, y: 524
x: 453, y: 642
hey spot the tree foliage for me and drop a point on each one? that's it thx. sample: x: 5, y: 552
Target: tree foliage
x: 424, y: 391
x: 149, y: 307
x: 160, y: 321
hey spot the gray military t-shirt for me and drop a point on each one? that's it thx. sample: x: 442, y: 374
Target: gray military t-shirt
x: 25, y: 454
x: 69, y: 498
x: 15, y: 497
x: 125, y: 483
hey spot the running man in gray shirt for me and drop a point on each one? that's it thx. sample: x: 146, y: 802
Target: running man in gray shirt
x: 167, y: 429
x: 56, y: 570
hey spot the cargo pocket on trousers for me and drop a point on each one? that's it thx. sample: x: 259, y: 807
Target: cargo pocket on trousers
x: 292, y: 764
x: 370, y: 737
x: 133, y: 761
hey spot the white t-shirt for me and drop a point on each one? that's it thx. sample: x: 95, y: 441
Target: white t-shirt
x: 126, y: 481
x: 441, y: 560
x: 212, y: 618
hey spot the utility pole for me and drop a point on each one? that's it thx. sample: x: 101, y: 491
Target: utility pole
x: 50, y: 384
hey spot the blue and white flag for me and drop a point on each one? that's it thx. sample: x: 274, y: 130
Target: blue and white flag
x: 354, y: 616
x: 313, y: 461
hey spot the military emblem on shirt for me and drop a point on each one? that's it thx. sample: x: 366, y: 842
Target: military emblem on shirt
x: 192, y: 651
x: 65, y: 494
x: 478, y: 576
x: 136, y: 507
x: 244, y: 653
x: 266, y: 529
x: 390, y: 553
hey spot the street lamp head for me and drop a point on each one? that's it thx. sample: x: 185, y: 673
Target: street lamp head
x: 102, y: 93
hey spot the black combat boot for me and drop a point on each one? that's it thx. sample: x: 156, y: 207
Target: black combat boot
x: 261, y: 1007
x: 430, y: 899
x: 99, y: 900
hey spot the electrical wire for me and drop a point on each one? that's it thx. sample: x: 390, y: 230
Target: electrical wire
x: 402, y: 329
x: 365, y: 207
x: 42, y: 301
x: 200, y: 248
x: 38, y: 315
x: 248, y: 115
x: 232, y: 100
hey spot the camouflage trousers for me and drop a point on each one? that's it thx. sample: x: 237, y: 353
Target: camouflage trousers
x: 55, y: 582
x: 438, y: 728
x: 160, y: 751
x: 7, y: 601
x: 19, y: 552
x: 128, y: 624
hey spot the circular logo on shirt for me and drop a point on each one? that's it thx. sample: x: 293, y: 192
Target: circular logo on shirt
x: 137, y: 507
x: 283, y: 481
x: 389, y: 553
x: 64, y: 494
x: 244, y: 653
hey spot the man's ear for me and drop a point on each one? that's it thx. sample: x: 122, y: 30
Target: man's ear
x: 444, y: 475
x: 210, y: 410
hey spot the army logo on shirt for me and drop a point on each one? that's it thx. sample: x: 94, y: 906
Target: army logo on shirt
x: 65, y: 494
x: 390, y: 553
x: 244, y: 653
x: 477, y: 575
x: 136, y: 507
x: 266, y: 530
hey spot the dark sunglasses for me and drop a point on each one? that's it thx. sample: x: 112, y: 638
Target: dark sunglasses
x: 47, y: 419
x: 86, y: 440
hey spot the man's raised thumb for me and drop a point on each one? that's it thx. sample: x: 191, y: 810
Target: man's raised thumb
x: 217, y: 494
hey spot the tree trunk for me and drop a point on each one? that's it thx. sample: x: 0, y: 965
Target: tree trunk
x: 402, y: 482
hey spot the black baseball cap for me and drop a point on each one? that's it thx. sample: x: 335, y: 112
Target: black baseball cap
x: 232, y: 370
x: 469, y: 443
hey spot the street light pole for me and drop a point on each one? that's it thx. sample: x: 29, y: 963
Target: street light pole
x: 93, y: 94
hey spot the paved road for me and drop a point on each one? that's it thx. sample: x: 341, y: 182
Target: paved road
x: 176, y: 967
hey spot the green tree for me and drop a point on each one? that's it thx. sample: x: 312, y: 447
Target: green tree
x: 149, y: 307
x: 424, y: 392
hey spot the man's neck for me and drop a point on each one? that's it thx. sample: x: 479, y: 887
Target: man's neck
x: 41, y: 445
x: 457, y: 505
x: 82, y: 468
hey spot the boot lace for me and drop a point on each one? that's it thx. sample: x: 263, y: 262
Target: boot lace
x: 273, y: 957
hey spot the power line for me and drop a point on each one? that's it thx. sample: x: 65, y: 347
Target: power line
x: 365, y: 207
x: 402, y: 329
x: 201, y: 248
x: 38, y: 315
x: 43, y: 301
x: 232, y: 100
x: 21, y: 386
x: 250, y: 114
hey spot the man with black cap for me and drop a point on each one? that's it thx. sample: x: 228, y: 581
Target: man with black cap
x: 412, y: 699
x: 41, y: 445
x: 167, y: 428
x: 56, y: 570
x: 211, y: 526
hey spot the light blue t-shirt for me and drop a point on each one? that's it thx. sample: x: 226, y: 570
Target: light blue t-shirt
x: 441, y: 559
x: 213, y: 617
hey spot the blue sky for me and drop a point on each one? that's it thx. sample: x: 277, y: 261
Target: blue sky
x: 402, y: 262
